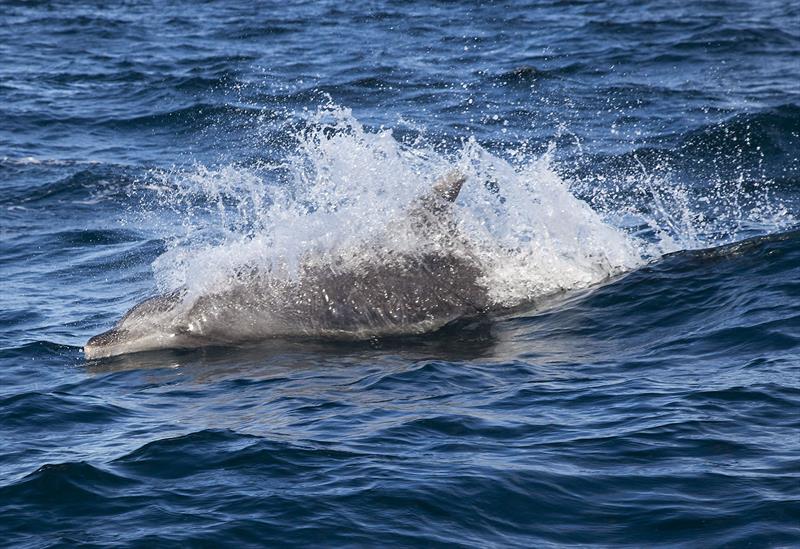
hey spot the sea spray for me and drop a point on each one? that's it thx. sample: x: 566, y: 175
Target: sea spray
x: 342, y: 194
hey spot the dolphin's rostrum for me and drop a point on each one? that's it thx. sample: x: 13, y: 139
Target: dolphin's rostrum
x: 392, y: 293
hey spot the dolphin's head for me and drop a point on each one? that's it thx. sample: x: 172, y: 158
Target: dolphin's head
x: 118, y: 341
x: 152, y: 324
x: 110, y: 343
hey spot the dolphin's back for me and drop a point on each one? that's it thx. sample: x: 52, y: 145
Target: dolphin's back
x: 383, y: 293
x: 152, y: 306
x: 404, y: 294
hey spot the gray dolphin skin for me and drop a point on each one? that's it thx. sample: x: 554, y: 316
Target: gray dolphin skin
x: 385, y: 294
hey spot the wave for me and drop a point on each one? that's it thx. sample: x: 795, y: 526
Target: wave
x: 527, y: 75
x: 90, y: 185
x: 191, y: 117
x: 30, y: 411
x: 199, y: 80
x: 769, y: 135
x: 181, y: 118
x: 735, y: 303
x: 739, y: 38
x: 211, y: 449
x: 764, y: 139
x: 64, y: 484
x: 497, y: 476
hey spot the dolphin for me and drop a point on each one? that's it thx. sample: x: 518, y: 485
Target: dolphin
x: 388, y: 294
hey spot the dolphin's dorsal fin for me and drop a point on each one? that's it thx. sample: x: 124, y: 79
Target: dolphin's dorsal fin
x: 443, y: 193
x: 449, y: 185
x: 430, y: 213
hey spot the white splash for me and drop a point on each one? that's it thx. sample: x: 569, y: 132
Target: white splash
x: 345, y: 186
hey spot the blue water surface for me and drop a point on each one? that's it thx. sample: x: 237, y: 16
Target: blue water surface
x: 660, y: 408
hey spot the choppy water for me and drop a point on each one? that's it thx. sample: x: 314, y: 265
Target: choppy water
x: 633, y: 194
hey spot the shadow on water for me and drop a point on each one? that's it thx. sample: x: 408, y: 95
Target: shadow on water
x: 460, y: 341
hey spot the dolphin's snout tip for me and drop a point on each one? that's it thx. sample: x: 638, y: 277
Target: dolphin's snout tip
x: 90, y: 351
x: 99, y: 346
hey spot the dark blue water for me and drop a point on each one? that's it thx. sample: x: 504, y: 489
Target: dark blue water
x: 652, y: 399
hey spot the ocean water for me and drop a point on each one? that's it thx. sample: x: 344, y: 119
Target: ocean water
x: 633, y: 186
